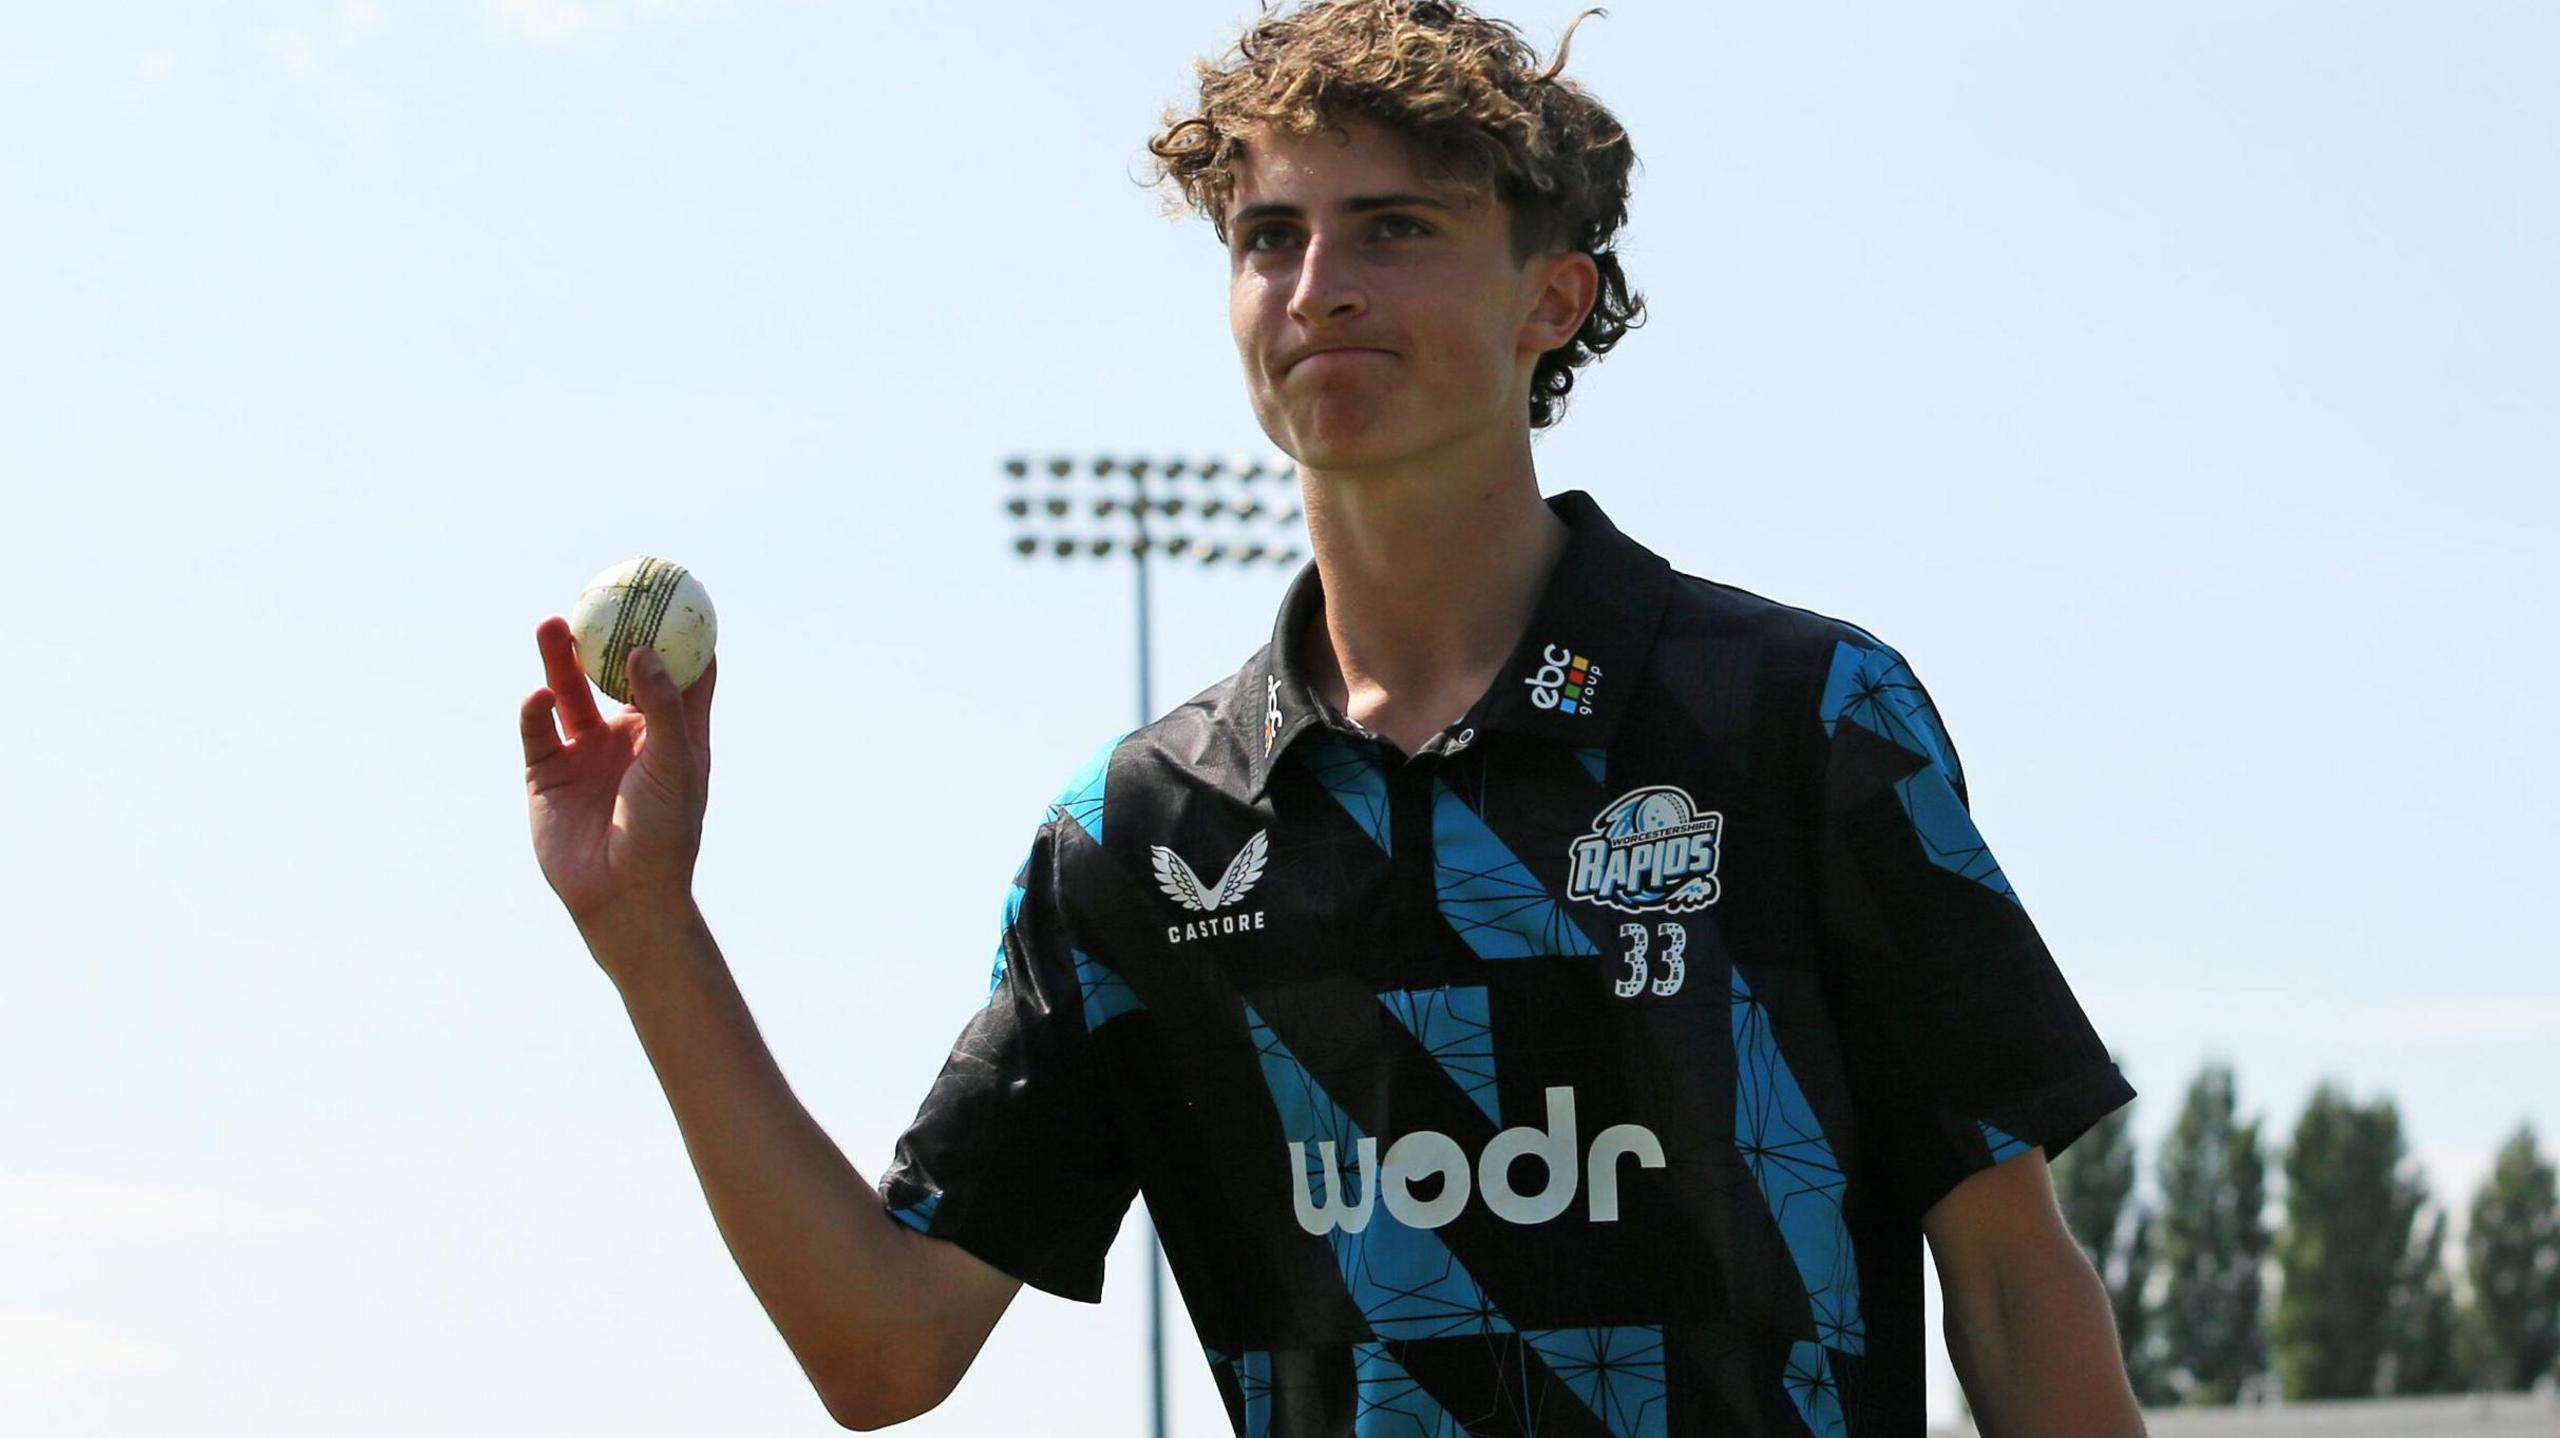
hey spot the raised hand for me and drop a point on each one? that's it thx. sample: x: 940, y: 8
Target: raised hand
x: 617, y: 802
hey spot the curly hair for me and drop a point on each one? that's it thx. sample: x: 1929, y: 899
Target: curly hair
x: 1468, y: 94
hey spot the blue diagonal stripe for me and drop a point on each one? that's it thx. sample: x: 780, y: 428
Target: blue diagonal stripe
x: 1799, y: 1178
x: 1083, y: 798
x: 1496, y: 905
x: 1456, y: 1026
x: 1875, y: 690
x: 1815, y: 1391
x: 1405, y: 1279
x: 1012, y: 915
x: 1355, y: 774
x: 1618, y: 1372
x: 1106, y: 995
x: 1392, y: 1404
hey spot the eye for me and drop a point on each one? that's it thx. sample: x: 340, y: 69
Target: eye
x: 1253, y: 239
x: 1409, y: 224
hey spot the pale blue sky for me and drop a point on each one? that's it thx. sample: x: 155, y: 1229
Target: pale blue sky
x: 2173, y: 383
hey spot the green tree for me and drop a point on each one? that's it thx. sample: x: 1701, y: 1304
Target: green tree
x: 2213, y: 1244
x: 2137, y: 1312
x: 2418, y: 1354
x: 2350, y: 1220
x: 2475, y: 1354
x: 2512, y: 1252
x: 2094, y: 1179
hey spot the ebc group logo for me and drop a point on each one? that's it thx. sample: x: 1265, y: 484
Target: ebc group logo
x: 1650, y: 849
x: 1564, y: 681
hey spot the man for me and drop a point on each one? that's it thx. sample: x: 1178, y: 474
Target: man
x: 1540, y: 993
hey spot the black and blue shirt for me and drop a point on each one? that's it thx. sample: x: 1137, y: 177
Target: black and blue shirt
x: 1584, y: 1073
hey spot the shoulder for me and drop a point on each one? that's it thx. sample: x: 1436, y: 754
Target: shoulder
x: 1806, y: 665
x: 1710, y: 608
x: 1208, y: 741
x: 1721, y: 634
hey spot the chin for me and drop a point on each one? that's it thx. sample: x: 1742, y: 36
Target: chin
x: 1338, y: 441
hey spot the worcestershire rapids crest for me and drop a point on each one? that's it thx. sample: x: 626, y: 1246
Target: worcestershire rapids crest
x: 1650, y: 849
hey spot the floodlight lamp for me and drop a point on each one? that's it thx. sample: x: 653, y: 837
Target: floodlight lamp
x: 1180, y: 543
x: 1026, y: 546
x: 1017, y: 466
x: 1058, y: 507
x: 1017, y: 506
x: 1106, y: 506
x: 1101, y: 548
x: 1103, y: 464
x: 1063, y: 548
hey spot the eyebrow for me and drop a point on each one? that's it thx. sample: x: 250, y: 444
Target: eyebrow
x: 1356, y: 205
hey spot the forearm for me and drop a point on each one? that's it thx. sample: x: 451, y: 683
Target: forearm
x: 2039, y: 1356
x: 808, y: 1232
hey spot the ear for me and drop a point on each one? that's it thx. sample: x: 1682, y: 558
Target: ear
x: 1566, y: 286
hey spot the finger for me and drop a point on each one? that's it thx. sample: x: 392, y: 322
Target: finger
x: 655, y: 696
x: 568, y: 682
x: 534, y: 722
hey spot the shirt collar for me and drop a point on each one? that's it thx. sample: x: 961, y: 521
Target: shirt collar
x: 1569, y: 680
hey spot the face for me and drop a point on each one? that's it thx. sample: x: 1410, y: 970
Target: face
x: 1380, y: 317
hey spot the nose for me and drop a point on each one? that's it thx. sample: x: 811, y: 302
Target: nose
x: 1328, y: 287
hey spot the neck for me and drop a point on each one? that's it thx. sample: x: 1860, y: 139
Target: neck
x: 1430, y: 575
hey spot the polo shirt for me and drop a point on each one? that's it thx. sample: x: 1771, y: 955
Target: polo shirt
x: 1585, y: 1073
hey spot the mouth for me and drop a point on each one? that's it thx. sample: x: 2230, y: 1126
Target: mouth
x: 1342, y: 355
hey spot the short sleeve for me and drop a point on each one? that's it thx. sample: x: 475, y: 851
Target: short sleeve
x: 1013, y: 1155
x: 1965, y: 1046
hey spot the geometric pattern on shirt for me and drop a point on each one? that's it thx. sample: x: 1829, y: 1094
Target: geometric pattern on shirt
x: 1617, y: 1371
x: 1404, y: 1279
x: 1782, y: 1141
x: 1083, y: 798
x: 1356, y: 776
x: 1455, y: 1026
x: 1876, y: 690
x: 1488, y: 896
x: 1106, y: 995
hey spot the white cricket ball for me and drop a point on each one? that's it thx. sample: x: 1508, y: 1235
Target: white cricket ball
x: 656, y: 602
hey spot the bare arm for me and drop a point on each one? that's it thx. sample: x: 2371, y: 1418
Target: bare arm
x: 882, y: 1319
x: 2027, y: 1320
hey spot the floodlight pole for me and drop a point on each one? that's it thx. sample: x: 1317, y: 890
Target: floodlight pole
x: 1147, y: 711
x: 1248, y: 520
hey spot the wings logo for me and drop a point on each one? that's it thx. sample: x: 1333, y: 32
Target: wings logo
x: 1270, y: 719
x: 1650, y: 849
x: 1184, y: 887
